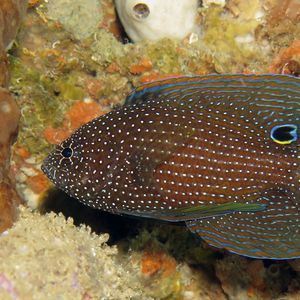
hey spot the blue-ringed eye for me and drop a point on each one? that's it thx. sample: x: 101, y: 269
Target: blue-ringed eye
x: 284, y: 134
x: 67, y: 152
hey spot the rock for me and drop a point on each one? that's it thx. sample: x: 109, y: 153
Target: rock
x: 11, y: 14
x: 71, y: 13
x: 4, y: 73
x: 48, y: 257
x: 8, y: 203
x: 9, y: 117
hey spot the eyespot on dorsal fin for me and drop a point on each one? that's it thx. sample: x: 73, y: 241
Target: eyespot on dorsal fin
x: 284, y: 134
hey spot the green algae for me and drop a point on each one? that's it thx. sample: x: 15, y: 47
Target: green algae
x: 40, y: 105
x: 220, y: 38
x: 164, y: 55
x: 69, y: 88
x: 80, y: 17
x: 106, y: 49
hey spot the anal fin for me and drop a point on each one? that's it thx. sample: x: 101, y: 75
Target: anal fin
x: 272, y: 233
x: 207, y: 211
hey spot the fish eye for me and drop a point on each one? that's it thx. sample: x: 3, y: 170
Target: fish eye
x: 284, y: 134
x: 67, y: 152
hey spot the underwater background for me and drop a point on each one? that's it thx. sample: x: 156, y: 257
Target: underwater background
x: 72, y: 61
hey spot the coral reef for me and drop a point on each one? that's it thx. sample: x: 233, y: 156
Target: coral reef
x: 253, y: 279
x: 65, y: 70
x: 70, y: 15
x: 165, y: 257
x: 288, y: 60
x: 53, y: 259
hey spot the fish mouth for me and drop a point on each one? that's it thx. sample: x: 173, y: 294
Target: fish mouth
x: 49, y: 170
x: 54, y: 174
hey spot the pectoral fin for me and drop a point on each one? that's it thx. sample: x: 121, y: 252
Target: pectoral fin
x: 208, y: 211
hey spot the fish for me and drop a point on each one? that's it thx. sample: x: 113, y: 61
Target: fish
x: 217, y: 152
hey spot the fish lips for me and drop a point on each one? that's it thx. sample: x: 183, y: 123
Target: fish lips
x: 52, y: 172
x: 48, y: 169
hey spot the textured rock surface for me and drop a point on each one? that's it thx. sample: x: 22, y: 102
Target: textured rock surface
x: 71, y: 13
x: 47, y: 257
x: 4, y: 74
x: 11, y: 13
x: 9, y: 117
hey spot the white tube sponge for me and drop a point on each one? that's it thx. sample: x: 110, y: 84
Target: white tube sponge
x: 155, y: 19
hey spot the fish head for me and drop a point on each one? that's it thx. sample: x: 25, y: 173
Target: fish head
x: 238, y: 146
x: 81, y: 164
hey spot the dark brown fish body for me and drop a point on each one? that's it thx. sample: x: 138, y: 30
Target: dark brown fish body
x: 219, y: 152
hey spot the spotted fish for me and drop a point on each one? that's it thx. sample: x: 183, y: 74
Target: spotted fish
x: 219, y: 152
